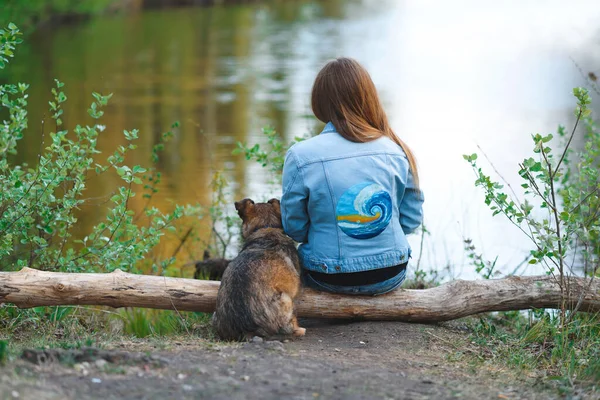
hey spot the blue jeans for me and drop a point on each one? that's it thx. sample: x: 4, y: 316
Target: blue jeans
x: 365, y: 290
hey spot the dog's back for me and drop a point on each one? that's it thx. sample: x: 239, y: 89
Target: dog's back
x: 259, y: 285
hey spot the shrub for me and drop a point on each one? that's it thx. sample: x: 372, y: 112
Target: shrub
x: 38, y: 203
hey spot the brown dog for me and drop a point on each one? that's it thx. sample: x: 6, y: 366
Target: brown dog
x: 259, y: 286
x: 211, y: 268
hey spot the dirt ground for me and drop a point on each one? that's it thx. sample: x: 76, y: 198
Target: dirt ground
x: 335, y: 360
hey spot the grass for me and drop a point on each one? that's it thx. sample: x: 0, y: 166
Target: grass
x: 76, y: 327
x: 142, y: 323
x: 3, y: 351
x: 533, y: 344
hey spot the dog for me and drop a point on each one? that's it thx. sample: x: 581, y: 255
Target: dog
x: 256, y: 296
x: 213, y: 268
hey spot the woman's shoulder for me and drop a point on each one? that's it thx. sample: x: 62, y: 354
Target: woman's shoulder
x: 309, y: 148
x: 333, y: 146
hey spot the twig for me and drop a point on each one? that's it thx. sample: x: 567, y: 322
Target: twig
x: 114, y: 231
x: 182, y: 242
x: 580, y: 300
x: 552, y: 174
x: 175, y: 308
x: 524, y: 262
x: 498, y: 173
x: 223, y: 243
x: 586, y: 77
x: 535, y: 186
x: 557, y: 221
x: 420, y: 248
x: 450, y: 343
x: 584, y: 199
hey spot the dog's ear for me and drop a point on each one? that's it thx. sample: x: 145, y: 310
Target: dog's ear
x: 276, y: 204
x: 243, y: 207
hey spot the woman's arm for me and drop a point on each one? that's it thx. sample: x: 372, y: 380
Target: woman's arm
x: 294, y: 212
x: 411, y: 207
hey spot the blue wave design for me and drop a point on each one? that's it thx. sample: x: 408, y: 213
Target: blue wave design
x: 364, y: 210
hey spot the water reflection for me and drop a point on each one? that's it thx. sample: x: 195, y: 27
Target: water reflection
x: 452, y: 76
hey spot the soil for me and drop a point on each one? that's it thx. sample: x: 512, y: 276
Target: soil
x: 335, y: 360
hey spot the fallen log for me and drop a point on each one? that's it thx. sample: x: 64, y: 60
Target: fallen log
x: 31, y: 288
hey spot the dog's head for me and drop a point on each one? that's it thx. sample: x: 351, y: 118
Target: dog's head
x: 258, y: 215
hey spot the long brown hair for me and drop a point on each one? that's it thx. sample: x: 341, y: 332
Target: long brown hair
x: 344, y: 94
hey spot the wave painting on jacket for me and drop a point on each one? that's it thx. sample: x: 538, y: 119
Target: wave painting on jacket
x: 364, y: 210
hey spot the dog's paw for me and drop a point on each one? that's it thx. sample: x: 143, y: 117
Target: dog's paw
x: 299, y: 331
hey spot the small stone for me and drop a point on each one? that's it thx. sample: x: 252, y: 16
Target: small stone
x: 187, y: 388
x: 101, y: 363
x: 81, y: 368
x: 96, y: 380
x: 361, y: 342
x: 257, y: 339
x: 245, y: 378
x: 336, y: 349
x: 274, y: 345
x: 15, y: 394
x: 181, y: 376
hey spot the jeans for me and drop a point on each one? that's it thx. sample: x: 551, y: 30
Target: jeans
x: 374, y: 289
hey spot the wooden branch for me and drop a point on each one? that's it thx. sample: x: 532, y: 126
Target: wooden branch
x: 31, y: 288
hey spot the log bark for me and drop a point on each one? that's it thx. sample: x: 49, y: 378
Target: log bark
x: 30, y: 288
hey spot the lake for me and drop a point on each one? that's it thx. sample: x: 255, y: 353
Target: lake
x: 452, y: 76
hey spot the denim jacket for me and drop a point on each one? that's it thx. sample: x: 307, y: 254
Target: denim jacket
x: 350, y: 205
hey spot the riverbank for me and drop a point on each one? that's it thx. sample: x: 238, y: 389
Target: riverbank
x: 30, y: 16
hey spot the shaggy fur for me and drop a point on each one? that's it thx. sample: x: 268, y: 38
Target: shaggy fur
x: 259, y: 285
x: 213, y: 268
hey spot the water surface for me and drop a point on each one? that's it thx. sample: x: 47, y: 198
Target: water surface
x: 452, y: 75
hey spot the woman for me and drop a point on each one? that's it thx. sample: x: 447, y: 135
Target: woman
x: 351, y: 194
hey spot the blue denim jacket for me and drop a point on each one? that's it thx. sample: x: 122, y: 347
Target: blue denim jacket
x: 351, y: 205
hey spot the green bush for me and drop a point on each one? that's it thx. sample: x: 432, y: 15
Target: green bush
x: 38, y: 203
x: 558, y: 212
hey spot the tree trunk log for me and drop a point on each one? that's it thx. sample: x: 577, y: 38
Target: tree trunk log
x: 31, y: 288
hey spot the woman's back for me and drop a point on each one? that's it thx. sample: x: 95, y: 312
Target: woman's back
x: 359, y: 198
x: 351, y: 194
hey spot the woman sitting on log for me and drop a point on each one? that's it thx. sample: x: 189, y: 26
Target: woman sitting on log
x: 351, y: 194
